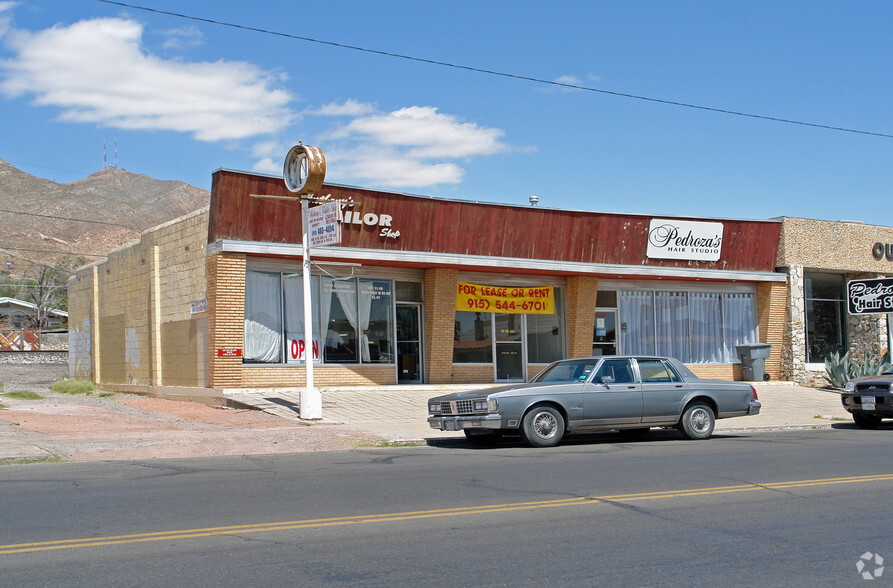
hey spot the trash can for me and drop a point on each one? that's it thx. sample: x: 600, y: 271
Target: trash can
x: 752, y: 356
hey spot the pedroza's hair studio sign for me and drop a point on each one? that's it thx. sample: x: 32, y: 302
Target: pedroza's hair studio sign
x: 675, y: 239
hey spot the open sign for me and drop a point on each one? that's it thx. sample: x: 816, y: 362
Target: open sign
x: 296, y: 348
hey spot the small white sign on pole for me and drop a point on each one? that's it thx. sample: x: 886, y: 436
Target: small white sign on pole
x: 324, y: 224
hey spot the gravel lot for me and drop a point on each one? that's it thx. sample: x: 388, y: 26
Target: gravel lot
x: 102, y: 426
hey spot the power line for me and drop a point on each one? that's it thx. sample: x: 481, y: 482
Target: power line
x: 497, y: 73
x: 80, y: 220
x: 53, y: 251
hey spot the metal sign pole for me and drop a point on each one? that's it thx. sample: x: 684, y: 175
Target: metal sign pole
x: 304, y: 172
x: 311, y: 399
x: 889, y: 338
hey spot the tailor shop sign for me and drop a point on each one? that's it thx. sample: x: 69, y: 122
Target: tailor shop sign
x: 870, y: 296
x: 505, y: 300
x: 690, y: 240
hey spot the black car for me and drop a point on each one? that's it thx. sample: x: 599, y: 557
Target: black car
x: 869, y: 399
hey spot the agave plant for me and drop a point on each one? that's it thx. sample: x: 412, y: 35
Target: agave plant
x: 838, y: 369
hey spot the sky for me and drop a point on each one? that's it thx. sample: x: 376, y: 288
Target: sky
x: 658, y: 108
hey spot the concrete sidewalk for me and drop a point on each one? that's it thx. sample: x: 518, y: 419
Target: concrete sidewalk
x: 398, y: 413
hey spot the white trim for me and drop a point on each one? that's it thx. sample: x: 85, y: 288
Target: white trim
x: 677, y: 286
x: 497, y: 263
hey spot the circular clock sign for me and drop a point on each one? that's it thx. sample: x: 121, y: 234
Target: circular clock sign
x: 305, y: 169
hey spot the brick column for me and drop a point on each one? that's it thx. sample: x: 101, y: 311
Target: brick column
x: 440, y: 323
x: 226, y: 316
x: 581, y: 295
x: 771, y: 315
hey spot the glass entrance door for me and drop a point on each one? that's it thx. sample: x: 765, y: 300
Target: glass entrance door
x: 604, y: 339
x: 409, y: 344
x: 509, y: 347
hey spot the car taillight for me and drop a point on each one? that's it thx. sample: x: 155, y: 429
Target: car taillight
x: 754, y: 390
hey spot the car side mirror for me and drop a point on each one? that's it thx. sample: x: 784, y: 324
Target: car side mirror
x: 606, y: 380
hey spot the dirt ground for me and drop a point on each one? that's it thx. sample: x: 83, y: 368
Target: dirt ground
x: 102, y: 426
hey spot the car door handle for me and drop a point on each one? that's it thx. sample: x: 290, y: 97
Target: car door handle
x: 632, y: 386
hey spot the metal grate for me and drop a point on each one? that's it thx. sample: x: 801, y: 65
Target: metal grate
x: 446, y: 408
x: 464, y: 407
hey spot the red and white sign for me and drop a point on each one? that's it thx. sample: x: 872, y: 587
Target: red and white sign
x: 296, y: 348
x: 229, y: 352
x: 324, y: 225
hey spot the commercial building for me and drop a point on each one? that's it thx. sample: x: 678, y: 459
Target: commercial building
x: 819, y: 259
x: 420, y: 290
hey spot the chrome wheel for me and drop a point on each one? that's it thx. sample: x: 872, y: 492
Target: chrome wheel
x: 543, y: 426
x: 697, y: 421
x: 700, y: 420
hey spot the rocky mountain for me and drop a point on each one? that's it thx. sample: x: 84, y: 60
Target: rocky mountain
x: 45, y: 222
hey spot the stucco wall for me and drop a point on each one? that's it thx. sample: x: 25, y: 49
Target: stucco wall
x: 833, y: 246
x: 131, y: 315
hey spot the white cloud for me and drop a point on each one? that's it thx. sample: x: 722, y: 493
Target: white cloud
x: 347, y: 108
x: 568, y: 79
x: 267, y: 165
x: 386, y: 167
x: 5, y: 19
x: 182, y: 38
x: 410, y: 147
x: 97, y: 72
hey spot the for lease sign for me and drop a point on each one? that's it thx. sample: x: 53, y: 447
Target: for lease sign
x: 505, y: 299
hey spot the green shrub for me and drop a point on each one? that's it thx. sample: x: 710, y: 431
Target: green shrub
x: 23, y: 395
x: 841, y: 369
x: 68, y: 386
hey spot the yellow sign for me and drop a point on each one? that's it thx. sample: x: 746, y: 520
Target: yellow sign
x: 507, y: 300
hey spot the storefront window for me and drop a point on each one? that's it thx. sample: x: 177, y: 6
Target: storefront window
x: 545, y: 334
x: 352, y: 319
x: 825, y: 316
x: 694, y: 327
x: 376, y: 321
x: 636, y: 322
x: 672, y: 324
x: 473, y: 337
x: 263, y: 318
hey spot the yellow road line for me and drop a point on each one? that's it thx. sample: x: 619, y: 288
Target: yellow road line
x: 422, y: 514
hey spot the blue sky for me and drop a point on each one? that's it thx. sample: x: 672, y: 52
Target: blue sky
x: 186, y: 97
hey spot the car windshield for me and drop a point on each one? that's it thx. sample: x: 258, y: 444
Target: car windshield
x: 566, y: 371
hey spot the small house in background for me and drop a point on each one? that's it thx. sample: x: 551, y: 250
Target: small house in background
x: 18, y: 325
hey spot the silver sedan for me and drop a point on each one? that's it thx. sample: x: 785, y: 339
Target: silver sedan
x: 626, y: 393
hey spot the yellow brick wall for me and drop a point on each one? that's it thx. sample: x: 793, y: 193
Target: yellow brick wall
x: 771, y: 300
x: 259, y: 376
x: 226, y: 317
x: 440, y: 324
x: 80, y: 323
x: 581, y: 296
x: 716, y: 371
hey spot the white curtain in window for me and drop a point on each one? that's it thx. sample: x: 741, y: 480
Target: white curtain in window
x: 326, y: 291
x: 637, y: 322
x: 671, y: 324
x: 706, y: 327
x: 263, y: 325
x: 365, y: 293
x: 740, y: 323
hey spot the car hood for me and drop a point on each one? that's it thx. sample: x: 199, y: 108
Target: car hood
x: 484, y: 392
